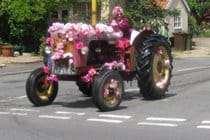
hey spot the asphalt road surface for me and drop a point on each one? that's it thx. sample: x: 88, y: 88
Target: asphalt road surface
x: 182, y: 115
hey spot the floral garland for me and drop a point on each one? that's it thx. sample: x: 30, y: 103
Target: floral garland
x: 110, y: 66
x: 79, y: 34
x: 49, y: 76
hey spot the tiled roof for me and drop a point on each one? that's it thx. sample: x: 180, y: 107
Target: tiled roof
x: 162, y: 3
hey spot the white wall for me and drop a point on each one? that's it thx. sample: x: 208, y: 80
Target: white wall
x: 179, y: 5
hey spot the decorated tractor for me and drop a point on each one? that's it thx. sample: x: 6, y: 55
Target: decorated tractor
x: 99, y: 60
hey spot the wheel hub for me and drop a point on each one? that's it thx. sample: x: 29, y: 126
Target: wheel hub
x: 44, y: 91
x: 161, y: 67
x: 112, y: 91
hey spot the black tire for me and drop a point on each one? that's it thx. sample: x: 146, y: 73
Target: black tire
x: 35, y: 89
x: 146, y: 67
x: 85, y: 88
x: 98, y: 91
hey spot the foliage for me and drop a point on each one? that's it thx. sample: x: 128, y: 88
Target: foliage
x: 193, y: 27
x: 26, y: 20
x: 198, y: 9
x: 202, y: 30
x: 143, y: 12
x: 205, y: 30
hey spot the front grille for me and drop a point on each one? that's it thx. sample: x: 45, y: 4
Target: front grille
x: 62, y: 67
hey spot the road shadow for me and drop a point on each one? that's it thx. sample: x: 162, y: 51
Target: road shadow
x: 87, y: 102
x: 167, y: 95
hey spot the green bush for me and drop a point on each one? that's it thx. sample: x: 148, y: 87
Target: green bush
x: 193, y: 27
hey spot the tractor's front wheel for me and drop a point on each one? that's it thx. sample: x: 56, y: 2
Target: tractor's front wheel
x: 39, y: 90
x: 154, y: 68
x: 107, y: 90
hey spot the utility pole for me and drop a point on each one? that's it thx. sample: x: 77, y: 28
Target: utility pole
x: 94, y: 11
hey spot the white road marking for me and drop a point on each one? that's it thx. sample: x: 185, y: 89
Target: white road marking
x: 2, y: 101
x: 204, y: 126
x: 115, y: 116
x: 205, y: 122
x: 193, y: 68
x: 158, y: 124
x: 22, y: 109
x: 12, y: 99
x: 165, y: 119
x: 132, y: 90
x: 104, y: 120
x: 21, y: 97
x: 54, y: 117
x: 4, y: 113
x: 65, y: 112
x: 20, y: 114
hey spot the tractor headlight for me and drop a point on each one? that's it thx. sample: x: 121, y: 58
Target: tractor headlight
x: 47, y: 49
x: 84, y: 50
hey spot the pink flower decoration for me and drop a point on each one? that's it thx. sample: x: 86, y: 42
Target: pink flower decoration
x: 92, y: 72
x: 50, y: 41
x: 71, y: 61
x: 52, y: 78
x: 79, y: 45
x: 60, y: 46
x: 97, y: 32
x: 89, y: 76
x: 46, y: 70
x: 123, y: 43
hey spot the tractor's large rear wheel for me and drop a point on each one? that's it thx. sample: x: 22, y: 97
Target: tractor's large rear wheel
x: 154, y: 67
x: 39, y: 90
x: 85, y: 88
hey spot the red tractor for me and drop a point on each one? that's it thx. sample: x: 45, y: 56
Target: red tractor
x: 99, y: 68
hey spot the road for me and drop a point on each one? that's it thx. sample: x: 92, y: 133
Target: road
x: 183, y: 114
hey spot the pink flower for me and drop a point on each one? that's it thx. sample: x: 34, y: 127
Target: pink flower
x: 97, y: 32
x: 123, y: 43
x: 50, y: 41
x: 60, y: 46
x: 52, y: 78
x: 85, y: 33
x: 92, y: 72
x: 79, y: 45
x: 71, y: 61
x: 89, y: 76
x: 46, y: 70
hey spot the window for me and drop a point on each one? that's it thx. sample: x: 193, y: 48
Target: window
x: 178, y: 22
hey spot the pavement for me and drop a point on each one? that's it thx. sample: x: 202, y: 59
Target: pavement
x: 25, y: 64
x: 20, y: 64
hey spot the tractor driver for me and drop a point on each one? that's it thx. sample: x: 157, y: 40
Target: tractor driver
x: 121, y: 24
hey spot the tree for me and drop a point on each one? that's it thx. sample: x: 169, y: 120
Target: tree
x: 142, y: 12
x: 198, y: 9
x: 27, y: 20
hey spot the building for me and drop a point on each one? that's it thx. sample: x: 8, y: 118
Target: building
x: 180, y: 21
x: 77, y: 11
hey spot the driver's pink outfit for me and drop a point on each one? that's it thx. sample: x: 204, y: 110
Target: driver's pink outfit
x: 122, y: 24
